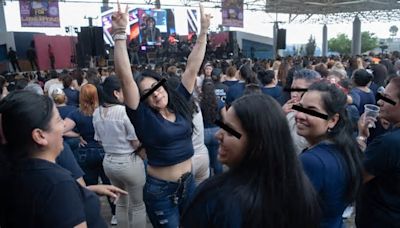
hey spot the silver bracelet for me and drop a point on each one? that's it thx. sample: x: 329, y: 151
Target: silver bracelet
x: 119, y: 36
x: 361, y: 138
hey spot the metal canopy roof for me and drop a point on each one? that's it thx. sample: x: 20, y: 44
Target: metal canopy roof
x: 324, y: 11
x: 328, y: 6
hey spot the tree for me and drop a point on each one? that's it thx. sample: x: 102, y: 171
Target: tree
x: 310, y: 46
x: 368, y: 41
x: 393, y: 30
x: 341, y: 44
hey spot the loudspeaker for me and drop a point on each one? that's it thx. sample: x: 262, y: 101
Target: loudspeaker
x: 98, y: 41
x: 80, y: 57
x: 281, y: 41
x: 91, y: 41
x: 84, y: 41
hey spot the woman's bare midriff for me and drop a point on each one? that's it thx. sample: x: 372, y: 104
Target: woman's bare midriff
x: 170, y: 173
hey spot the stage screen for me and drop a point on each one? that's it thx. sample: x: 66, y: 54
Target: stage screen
x: 164, y: 22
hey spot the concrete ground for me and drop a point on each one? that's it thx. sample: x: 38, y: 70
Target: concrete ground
x: 106, y: 213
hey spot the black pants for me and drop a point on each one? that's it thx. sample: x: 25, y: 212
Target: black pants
x: 52, y: 62
x: 34, y: 64
x: 15, y: 66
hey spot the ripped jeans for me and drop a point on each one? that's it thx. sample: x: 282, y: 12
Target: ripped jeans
x: 165, y: 200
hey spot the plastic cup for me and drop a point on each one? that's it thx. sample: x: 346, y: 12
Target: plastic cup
x: 371, y: 112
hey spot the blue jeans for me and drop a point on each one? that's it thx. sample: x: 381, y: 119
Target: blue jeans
x: 73, y: 142
x: 212, y: 145
x: 165, y: 200
x: 90, y: 159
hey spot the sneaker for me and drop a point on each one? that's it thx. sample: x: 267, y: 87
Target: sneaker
x: 113, y: 220
x: 348, y: 212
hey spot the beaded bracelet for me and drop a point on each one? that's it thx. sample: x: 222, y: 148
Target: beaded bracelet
x: 118, y: 30
x: 119, y: 36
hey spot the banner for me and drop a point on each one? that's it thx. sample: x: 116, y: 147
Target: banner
x: 39, y: 13
x: 232, y: 13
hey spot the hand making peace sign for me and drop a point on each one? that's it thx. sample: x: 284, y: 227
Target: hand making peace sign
x: 205, y: 19
x: 119, y: 19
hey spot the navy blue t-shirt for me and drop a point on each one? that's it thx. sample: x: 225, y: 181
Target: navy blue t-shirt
x: 374, y: 87
x: 379, y: 202
x: 84, y: 125
x: 326, y: 169
x: 167, y: 143
x: 66, y: 110
x: 234, y: 92
x: 217, y: 207
x: 220, y: 91
x: 230, y: 83
x: 67, y: 160
x: 275, y: 92
x: 73, y: 97
x: 43, y: 194
x: 363, y: 98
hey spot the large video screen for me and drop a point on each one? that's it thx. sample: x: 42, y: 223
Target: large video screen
x: 152, y: 26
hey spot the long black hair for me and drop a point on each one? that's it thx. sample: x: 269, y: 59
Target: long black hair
x: 176, y: 102
x: 247, y: 74
x: 268, y: 185
x: 334, y: 102
x: 208, y: 102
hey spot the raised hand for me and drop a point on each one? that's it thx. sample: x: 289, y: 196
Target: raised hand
x: 205, y: 19
x: 287, y: 107
x: 119, y: 19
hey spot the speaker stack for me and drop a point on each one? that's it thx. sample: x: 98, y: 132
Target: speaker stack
x: 281, y: 41
x: 90, y: 43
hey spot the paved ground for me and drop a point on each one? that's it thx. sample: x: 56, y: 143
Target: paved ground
x: 106, y: 212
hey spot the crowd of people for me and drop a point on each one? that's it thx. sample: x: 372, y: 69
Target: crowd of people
x: 205, y: 143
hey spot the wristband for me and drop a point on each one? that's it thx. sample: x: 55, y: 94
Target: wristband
x: 361, y: 138
x: 119, y: 30
x: 119, y: 36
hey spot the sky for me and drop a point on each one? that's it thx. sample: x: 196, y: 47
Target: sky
x: 72, y: 14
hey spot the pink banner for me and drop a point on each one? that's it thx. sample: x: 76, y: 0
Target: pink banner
x: 232, y: 13
x: 39, y: 13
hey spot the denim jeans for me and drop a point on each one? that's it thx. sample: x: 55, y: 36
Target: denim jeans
x: 212, y: 145
x: 126, y: 171
x: 90, y: 159
x: 73, y: 142
x: 165, y: 200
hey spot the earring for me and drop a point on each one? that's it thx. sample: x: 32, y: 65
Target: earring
x: 329, y: 130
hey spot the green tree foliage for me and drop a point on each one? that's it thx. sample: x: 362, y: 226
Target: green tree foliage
x: 341, y: 44
x: 311, y: 46
x: 368, y: 41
